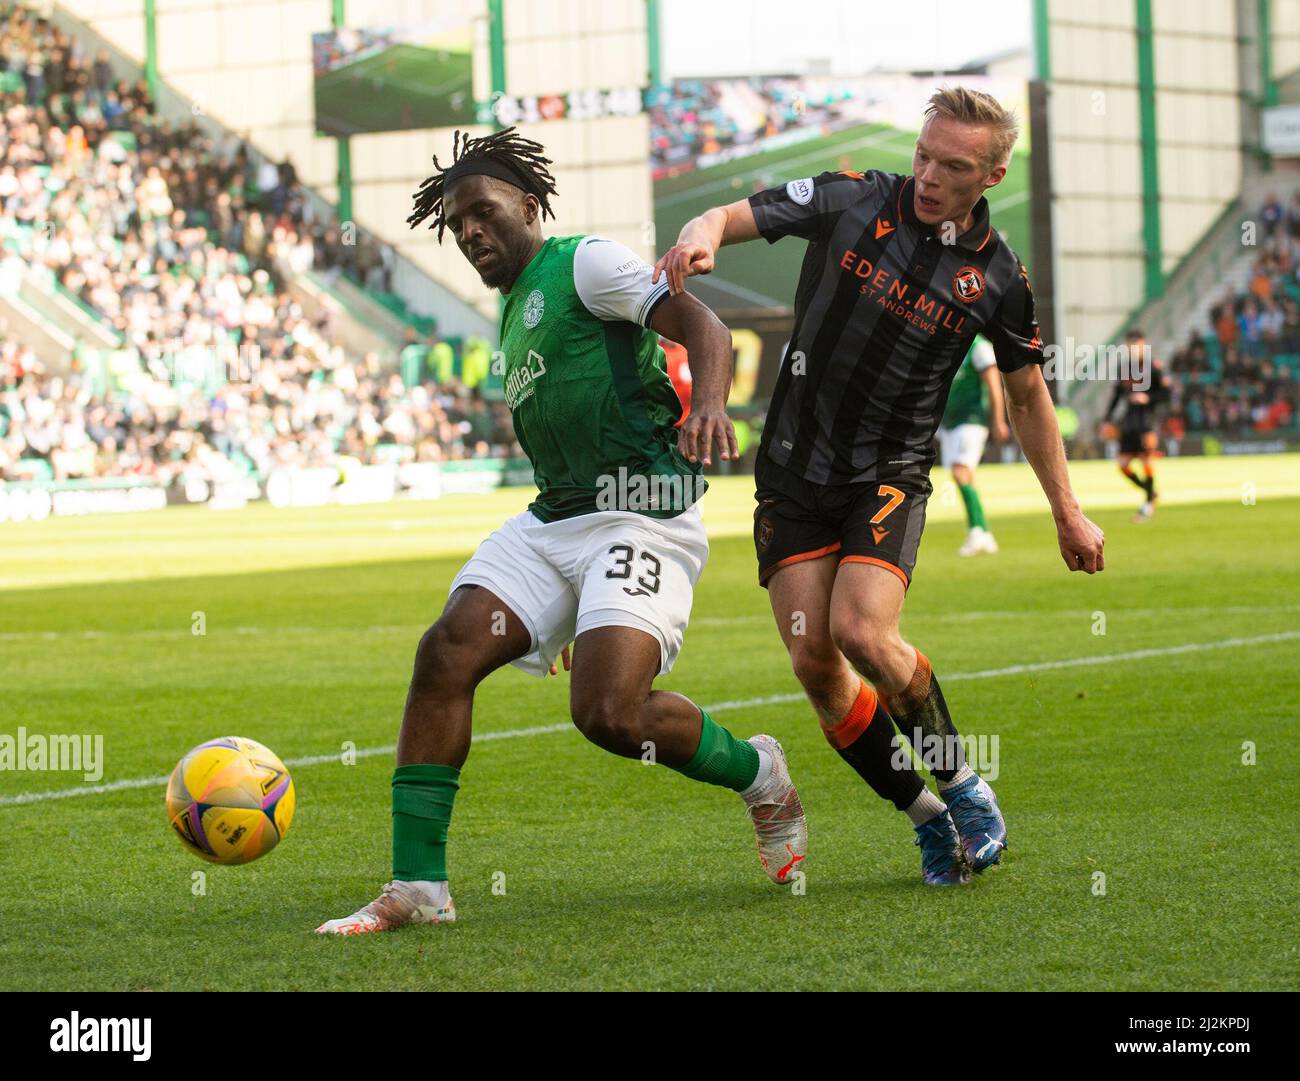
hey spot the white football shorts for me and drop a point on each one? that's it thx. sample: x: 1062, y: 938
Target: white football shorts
x: 605, y: 569
x: 962, y: 445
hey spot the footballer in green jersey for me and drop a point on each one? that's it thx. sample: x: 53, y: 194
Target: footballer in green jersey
x: 608, y: 554
x: 975, y: 407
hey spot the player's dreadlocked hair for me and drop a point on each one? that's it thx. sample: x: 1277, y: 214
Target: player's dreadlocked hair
x: 504, y: 154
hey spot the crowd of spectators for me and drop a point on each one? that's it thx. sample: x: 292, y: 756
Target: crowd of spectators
x: 289, y: 412
x: 182, y: 244
x: 1243, y: 375
x: 690, y: 117
x: 154, y: 225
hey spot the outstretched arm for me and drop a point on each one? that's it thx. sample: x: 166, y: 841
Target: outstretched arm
x: 1034, y: 419
x: 806, y: 208
x: 614, y: 284
x: 708, y: 352
x: 700, y: 239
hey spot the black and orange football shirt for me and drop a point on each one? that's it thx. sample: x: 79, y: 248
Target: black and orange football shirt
x: 885, y: 311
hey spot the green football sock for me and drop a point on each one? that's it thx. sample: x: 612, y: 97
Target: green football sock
x: 974, y: 508
x: 721, y: 758
x: 422, y: 799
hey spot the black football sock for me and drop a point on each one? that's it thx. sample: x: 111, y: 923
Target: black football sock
x: 923, y: 717
x: 1136, y: 480
x: 865, y: 740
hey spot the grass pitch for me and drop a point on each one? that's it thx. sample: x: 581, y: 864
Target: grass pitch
x: 1119, y: 754
x: 765, y: 275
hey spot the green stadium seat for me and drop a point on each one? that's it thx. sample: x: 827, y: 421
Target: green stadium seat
x: 38, y: 468
x: 1213, y: 351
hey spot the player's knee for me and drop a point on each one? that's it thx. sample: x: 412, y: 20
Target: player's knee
x: 609, y: 721
x: 817, y: 670
x: 868, y: 649
x: 435, y: 661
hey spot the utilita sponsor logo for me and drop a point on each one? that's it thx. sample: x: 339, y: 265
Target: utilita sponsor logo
x: 120, y: 1034
x: 519, y: 383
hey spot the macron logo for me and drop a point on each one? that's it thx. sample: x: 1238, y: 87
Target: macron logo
x: 76, y: 1033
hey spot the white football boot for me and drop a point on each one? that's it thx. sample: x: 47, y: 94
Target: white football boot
x: 779, y: 824
x: 399, y: 905
x: 979, y: 542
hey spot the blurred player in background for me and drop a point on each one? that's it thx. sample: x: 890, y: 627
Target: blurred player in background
x: 595, y: 412
x: 1142, y: 392
x: 679, y: 374
x: 899, y: 275
x: 974, y: 407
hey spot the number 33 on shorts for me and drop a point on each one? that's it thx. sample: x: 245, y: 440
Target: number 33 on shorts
x: 626, y: 558
x: 641, y: 572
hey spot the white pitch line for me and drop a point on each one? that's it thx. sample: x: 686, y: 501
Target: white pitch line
x: 973, y: 615
x: 717, y: 707
x: 1010, y: 201
x: 1132, y: 655
x: 785, y: 166
x: 292, y: 763
x: 761, y: 300
x: 86, y: 790
x: 1048, y: 666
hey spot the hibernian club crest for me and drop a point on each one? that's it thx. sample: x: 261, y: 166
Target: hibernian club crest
x: 533, y: 308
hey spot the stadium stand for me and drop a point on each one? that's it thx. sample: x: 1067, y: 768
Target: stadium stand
x: 693, y: 117
x: 180, y: 250
x: 293, y: 412
x: 1242, y: 375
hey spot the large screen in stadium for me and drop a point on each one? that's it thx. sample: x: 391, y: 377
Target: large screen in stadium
x: 393, y: 78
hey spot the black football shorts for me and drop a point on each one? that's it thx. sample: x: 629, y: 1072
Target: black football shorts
x: 1137, y: 441
x: 878, y: 522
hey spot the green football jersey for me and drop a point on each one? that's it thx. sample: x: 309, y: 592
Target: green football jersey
x: 588, y: 386
x: 968, y: 397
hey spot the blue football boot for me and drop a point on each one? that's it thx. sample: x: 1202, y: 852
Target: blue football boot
x: 942, y: 861
x: 975, y: 813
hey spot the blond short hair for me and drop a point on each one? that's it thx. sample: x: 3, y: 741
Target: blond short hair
x: 968, y: 106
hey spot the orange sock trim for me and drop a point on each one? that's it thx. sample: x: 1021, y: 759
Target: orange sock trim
x: 855, y: 722
x: 916, y: 691
x: 1149, y: 470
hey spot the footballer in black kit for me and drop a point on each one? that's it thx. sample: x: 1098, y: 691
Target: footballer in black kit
x: 1141, y: 392
x: 886, y: 309
x: 899, y: 274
